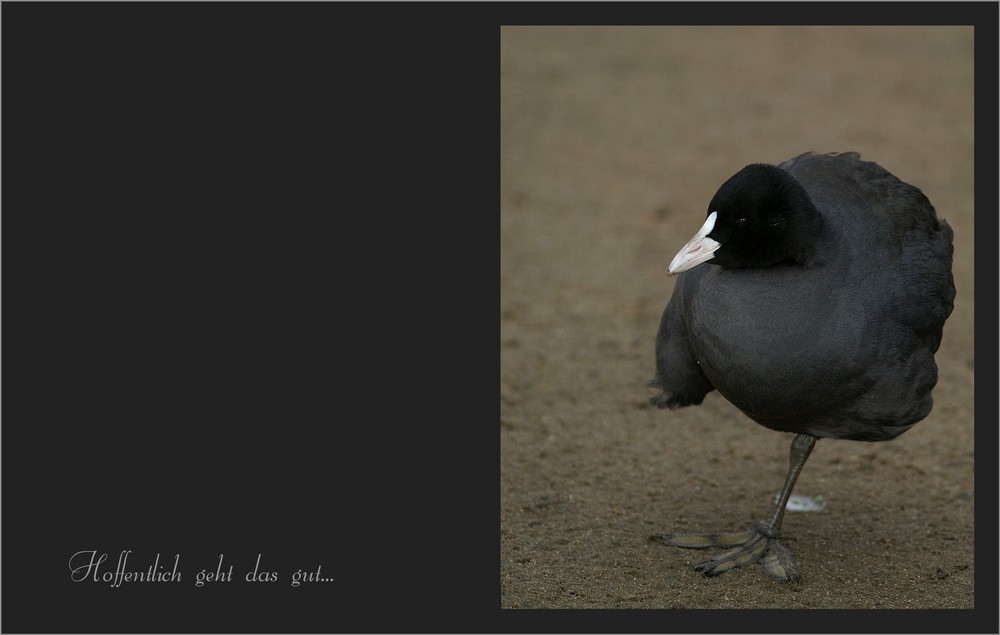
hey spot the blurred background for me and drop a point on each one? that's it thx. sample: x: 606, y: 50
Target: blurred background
x: 613, y: 141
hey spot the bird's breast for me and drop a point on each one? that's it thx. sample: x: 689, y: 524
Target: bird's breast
x: 770, y: 349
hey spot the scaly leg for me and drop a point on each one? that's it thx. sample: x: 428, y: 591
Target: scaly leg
x: 763, y: 542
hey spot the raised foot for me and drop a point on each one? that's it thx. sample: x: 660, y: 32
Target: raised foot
x: 761, y: 544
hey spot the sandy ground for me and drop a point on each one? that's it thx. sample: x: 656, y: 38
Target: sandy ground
x: 613, y: 142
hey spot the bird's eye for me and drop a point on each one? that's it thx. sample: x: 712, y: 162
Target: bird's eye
x: 741, y: 222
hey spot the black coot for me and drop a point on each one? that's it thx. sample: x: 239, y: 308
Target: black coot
x: 821, y: 316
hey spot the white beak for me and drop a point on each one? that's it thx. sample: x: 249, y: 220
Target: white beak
x: 697, y: 250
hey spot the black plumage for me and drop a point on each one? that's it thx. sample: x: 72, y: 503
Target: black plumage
x: 814, y: 300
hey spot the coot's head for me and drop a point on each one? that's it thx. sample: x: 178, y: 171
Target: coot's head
x: 760, y: 217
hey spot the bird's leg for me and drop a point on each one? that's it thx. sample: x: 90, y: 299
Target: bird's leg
x: 763, y: 542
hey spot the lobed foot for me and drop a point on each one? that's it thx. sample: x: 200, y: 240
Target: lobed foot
x: 761, y: 544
